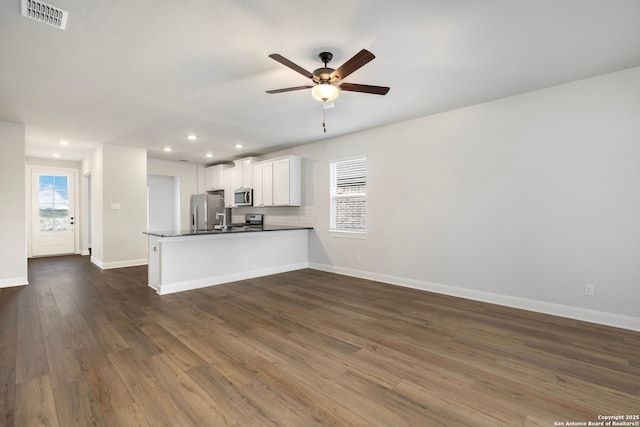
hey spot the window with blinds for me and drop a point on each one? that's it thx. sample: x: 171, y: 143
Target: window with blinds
x: 348, y: 193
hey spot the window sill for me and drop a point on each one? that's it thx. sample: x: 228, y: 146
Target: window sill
x: 348, y: 234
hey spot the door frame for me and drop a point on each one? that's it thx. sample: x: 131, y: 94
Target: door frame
x: 29, y: 201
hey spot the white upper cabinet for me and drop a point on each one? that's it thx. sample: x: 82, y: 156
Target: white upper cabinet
x: 257, y: 184
x: 214, y: 177
x: 229, y: 177
x: 267, y: 180
x: 287, y: 181
x: 262, y: 177
x: 244, y: 172
x: 277, y: 182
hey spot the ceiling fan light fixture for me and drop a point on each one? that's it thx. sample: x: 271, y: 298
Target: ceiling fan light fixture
x: 325, y: 92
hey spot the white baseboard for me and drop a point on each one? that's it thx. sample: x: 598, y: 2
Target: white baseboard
x: 119, y: 264
x: 189, y: 285
x: 13, y: 281
x: 84, y: 252
x: 571, y: 312
x: 96, y: 261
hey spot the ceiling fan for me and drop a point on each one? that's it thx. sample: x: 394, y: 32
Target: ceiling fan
x: 328, y: 82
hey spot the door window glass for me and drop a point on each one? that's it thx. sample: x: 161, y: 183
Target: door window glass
x: 53, y: 203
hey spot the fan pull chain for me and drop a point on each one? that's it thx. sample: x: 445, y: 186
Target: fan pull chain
x: 324, y: 125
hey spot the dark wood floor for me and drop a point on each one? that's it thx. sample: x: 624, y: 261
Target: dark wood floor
x: 84, y: 347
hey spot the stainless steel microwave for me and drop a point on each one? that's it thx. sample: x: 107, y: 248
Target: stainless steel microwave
x: 243, y: 197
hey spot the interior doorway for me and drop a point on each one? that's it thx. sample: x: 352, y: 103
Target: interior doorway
x: 163, y: 202
x: 86, y: 229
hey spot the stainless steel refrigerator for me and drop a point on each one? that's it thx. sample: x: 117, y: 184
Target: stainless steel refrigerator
x: 203, y: 211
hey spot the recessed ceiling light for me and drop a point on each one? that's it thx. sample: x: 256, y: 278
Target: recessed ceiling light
x: 192, y: 137
x: 167, y: 149
x: 63, y: 142
x: 56, y: 155
x: 209, y: 155
x: 238, y: 145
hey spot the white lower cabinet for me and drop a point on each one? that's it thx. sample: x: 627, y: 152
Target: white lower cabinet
x: 183, y: 263
x: 277, y: 182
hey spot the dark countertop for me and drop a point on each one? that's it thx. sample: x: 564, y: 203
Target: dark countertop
x: 233, y: 229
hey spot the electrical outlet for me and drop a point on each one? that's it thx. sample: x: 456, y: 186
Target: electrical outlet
x: 358, y: 257
x: 589, y: 290
x: 246, y: 259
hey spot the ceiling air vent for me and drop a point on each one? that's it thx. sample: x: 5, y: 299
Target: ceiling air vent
x: 46, y: 13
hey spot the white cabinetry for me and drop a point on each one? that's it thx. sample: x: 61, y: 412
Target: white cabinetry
x: 262, y: 178
x: 184, y: 263
x: 277, y: 182
x: 229, y: 178
x: 214, y: 177
x: 286, y: 182
x: 244, y: 172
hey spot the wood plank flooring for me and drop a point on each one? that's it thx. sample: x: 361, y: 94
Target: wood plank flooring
x: 85, y: 347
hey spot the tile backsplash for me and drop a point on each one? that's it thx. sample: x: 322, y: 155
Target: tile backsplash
x: 286, y: 215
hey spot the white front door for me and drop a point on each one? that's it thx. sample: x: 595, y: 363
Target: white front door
x: 52, y: 213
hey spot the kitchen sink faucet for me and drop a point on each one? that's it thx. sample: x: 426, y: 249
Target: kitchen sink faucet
x: 224, y: 215
x: 224, y: 219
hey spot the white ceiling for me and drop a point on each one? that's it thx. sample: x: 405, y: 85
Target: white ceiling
x: 148, y: 73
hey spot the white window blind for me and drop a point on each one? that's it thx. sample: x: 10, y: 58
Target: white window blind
x: 348, y: 193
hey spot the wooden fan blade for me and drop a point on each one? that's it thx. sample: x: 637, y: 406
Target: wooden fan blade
x: 295, y: 67
x: 376, y: 90
x: 357, y: 61
x: 289, y: 89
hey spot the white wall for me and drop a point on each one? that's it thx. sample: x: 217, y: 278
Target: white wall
x: 118, y: 177
x: 125, y: 183
x: 519, y: 201
x: 191, y: 182
x: 13, y: 246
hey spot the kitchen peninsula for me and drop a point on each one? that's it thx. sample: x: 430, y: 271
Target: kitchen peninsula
x: 185, y: 260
